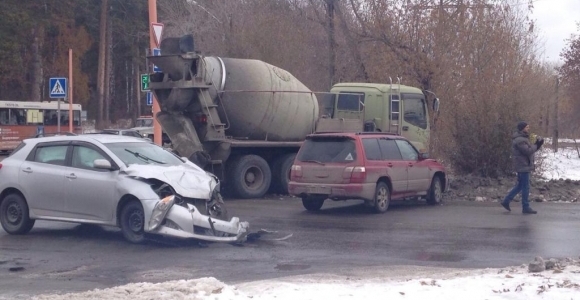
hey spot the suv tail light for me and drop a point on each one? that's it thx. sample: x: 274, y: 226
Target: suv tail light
x: 295, y: 172
x: 355, y: 174
x: 0, y: 165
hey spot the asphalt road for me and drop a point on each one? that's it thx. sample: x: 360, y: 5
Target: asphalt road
x: 342, y: 238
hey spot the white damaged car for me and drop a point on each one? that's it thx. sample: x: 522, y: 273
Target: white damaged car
x: 113, y: 180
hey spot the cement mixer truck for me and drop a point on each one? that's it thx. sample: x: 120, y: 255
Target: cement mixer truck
x: 244, y: 120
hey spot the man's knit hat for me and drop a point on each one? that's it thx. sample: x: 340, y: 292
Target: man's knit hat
x: 522, y: 125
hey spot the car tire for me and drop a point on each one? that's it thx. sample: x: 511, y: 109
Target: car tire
x: 435, y: 193
x: 312, y: 203
x: 281, y: 172
x: 250, y: 177
x: 132, y: 221
x: 382, y: 197
x: 14, y: 215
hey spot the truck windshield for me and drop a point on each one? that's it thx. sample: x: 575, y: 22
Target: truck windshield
x: 415, y: 112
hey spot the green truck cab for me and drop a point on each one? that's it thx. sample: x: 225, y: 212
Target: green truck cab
x: 392, y: 108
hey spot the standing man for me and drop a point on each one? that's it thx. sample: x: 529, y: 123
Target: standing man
x: 523, y: 160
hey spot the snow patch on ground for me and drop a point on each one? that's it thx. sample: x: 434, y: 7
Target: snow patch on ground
x: 508, y: 283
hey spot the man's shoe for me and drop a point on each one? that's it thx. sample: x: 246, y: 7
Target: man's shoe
x: 529, y: 211
x: 506, y: 206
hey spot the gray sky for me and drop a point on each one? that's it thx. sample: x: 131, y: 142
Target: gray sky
x: 556, y: 21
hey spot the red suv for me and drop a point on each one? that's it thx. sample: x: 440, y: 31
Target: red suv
x: 374, y: 167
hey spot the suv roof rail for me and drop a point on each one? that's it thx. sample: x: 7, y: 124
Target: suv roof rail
x: 377, y: 132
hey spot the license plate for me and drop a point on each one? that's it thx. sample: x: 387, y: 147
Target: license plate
x: 318, y: 190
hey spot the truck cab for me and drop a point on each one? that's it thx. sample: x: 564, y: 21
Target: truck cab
x: 391, y: 108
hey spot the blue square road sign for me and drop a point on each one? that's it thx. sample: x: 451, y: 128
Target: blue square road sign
x: 156, y: 52
x: 57, y: 87
x: 149, y: 99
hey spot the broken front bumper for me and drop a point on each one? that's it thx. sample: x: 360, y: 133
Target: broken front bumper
x: 181, y: 222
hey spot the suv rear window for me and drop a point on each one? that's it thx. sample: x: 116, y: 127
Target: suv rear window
x: 341, y: 150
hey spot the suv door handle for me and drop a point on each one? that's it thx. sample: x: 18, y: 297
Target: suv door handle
x: 389, y: 165
x: 71, y: 176
x: 411, y: 164
x: 405, y: 128
x: 27, y: 170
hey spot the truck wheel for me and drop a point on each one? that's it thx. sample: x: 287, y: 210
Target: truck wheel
x: 250, y: 177
x: 281, y: 172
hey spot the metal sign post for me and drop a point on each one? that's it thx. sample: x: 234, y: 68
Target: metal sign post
x: 57, y: 89
x: 58, y: 116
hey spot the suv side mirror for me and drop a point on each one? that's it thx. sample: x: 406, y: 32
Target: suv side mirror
x: 423, y: 155
x: 436, y: 104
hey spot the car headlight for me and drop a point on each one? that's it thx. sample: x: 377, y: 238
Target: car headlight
x: 144, y: 134
x: 160, y: 211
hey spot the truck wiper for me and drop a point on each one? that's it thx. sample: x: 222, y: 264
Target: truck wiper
x: 143, y: 157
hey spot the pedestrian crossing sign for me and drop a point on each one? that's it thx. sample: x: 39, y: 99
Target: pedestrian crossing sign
x: 57, y: 87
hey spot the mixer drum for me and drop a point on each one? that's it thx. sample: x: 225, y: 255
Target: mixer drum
x: 261, y: 101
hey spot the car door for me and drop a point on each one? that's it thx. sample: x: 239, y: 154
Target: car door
x: 417, y: 172
x: 90, y: 192
x: 377, y: 167
x: 396, y: 167
x: 42, y: 178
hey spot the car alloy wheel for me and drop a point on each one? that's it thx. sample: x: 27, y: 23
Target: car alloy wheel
x: 382, y: 197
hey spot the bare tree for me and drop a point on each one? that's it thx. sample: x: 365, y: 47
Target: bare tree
x: 102, y: 61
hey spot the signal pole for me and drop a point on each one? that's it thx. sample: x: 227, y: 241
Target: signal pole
x: 152, y: 44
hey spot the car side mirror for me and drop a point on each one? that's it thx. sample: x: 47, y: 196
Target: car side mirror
x: 102, y: 164
x: 423, y: 155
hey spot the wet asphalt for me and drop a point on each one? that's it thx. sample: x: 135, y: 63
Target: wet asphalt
x: 342, y: 238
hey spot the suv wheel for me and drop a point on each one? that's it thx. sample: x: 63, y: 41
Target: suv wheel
x: 312, y: 203
x: 435, y: 194
x: 382, y: 197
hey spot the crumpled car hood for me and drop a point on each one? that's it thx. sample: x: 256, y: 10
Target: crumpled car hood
x: 186, y: 180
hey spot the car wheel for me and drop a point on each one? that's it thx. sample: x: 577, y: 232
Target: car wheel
x: 14, y: 215
x: 281, y: 172
x: 133, y: 222
x: 382, y: 197
x: 312, y: 203
x: 435, y: 194
x: 250, y: 176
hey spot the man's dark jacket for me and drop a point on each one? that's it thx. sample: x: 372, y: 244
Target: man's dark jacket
x: 523, y: 152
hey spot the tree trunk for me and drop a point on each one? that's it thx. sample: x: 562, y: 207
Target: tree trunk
x: 101, y: 63
x: 352, y: 43
x: 555, y: 121
x: 37, y: 72
x: 109, y: 84
x: 331, y: 41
